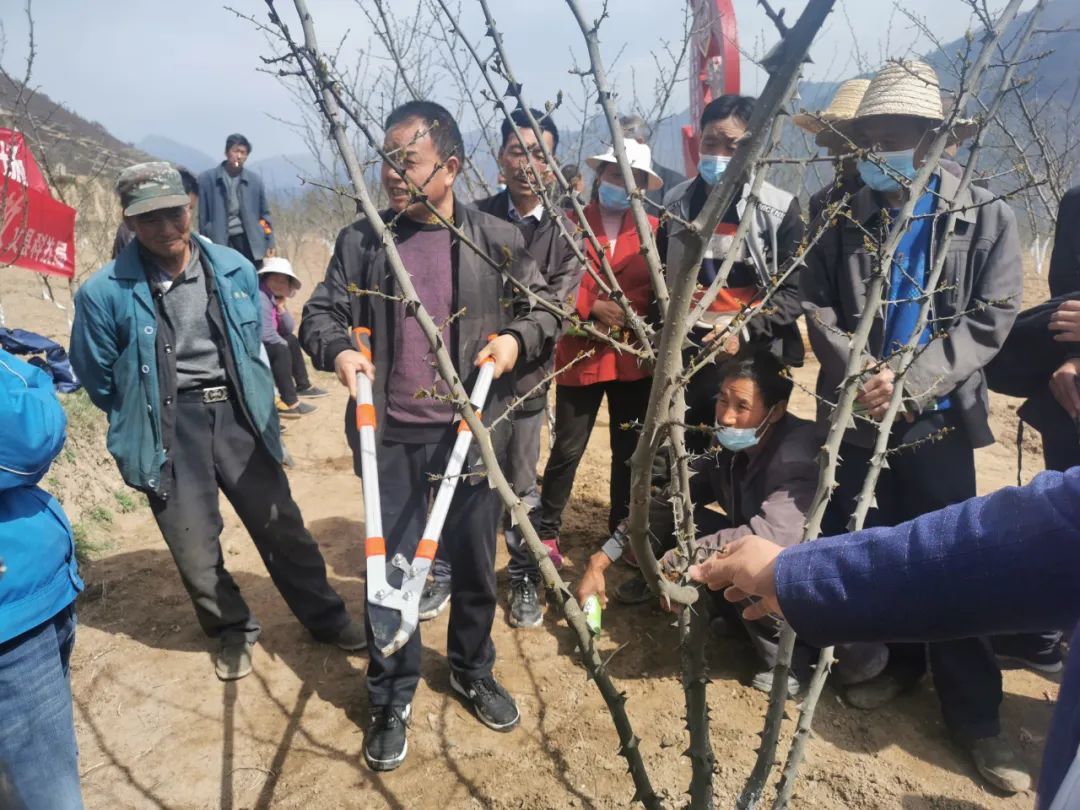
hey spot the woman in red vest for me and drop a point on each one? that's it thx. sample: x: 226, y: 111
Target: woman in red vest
x: 581, y: 388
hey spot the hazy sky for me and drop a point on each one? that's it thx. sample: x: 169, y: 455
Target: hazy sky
x: 189, y: 70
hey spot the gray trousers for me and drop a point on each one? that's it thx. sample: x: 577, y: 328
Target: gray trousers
x: 522, y: 458
x: 216, y: 451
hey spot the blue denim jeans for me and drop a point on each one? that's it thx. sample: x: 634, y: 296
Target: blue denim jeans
x: 39, y: 767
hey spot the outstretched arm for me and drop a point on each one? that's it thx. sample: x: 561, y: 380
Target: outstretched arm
x: 1002, y: 563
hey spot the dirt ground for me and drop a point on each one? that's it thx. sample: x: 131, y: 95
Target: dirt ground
x: 157, y: 729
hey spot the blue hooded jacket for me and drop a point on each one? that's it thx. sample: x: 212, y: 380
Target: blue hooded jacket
x: 36, y: 544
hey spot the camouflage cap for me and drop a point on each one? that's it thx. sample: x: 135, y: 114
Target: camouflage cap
x: 147, y: 187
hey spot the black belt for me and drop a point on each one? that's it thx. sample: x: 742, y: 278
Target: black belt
x: 216, y: 393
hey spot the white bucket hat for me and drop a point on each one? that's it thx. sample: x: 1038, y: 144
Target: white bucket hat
x: 843, y: 107
x: 277, y: 264
x: 906, y: 88
x: 640, y: 157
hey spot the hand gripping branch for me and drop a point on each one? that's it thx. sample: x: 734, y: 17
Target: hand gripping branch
x: 393, y: 609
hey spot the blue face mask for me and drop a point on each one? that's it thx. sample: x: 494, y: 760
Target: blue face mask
x: 901, y: 163
x: 711, y: 168
x: 613, y: 197
x: 738, y: 439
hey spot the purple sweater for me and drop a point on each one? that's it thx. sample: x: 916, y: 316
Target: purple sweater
x: 426, y: 253
x: 1008, y: 562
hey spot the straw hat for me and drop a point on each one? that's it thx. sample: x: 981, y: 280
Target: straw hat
x: 842, y: 107
x: 907, y: 88
x: 639, y: 155
x: 277, y: 264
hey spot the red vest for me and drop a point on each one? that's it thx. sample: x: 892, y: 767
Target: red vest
x: 632, y: 271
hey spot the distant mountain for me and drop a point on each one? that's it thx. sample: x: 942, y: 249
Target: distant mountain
x: 60, y: 138
x: 166, y: 148
x: 283, y: 174
x: 1057, y: 72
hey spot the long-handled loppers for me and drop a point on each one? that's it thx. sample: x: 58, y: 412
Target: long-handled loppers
x: 394, y: 593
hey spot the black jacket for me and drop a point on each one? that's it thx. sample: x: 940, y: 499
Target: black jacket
x: 561, y: 270
x: 490, y: 302
x: 1065, y: 260
x: 1030, y: 355
x: 764, y: 491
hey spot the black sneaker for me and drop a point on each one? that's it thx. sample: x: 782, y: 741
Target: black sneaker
x: 312, y: 392
x: 1029, y: 650
x: 434, y: 599
x: 352, y: 637
x: 385, y: 745
x: 493, y: 705
x: 524, y: 604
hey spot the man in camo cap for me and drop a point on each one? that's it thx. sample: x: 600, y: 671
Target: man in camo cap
x: 166, y: 340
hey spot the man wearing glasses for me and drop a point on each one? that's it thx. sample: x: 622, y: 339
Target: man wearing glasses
x: 166, y: 341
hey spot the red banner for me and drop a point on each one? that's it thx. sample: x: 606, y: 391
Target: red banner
x: 37, y: 232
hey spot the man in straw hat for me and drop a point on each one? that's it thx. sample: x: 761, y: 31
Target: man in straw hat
x: 945, y: 413
x: 823, y: 126
x: 166, y: 341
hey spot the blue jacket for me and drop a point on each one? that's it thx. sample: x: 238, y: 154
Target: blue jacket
x: 214, y: 209
x: 114, y: 350
x: 36, y: 543
x: 1008, y: 562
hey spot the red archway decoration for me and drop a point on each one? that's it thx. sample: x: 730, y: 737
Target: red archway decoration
x: 714, y: 65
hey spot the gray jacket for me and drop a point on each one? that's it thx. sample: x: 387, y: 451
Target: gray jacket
x: 974, y: 306
x: 214, y: 209
x: 766, y: 490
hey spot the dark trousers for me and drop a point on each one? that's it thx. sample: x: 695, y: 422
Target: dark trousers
x: 240, y: 243
x: 287, y: 366
x: 522, y: 456
x: 930, y: 475
x: 468, y: 541
x: 575, y: 414
x: 1061, y: 445
x: 217, y: 450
